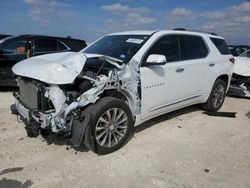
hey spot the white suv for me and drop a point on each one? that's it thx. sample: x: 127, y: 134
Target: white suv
x: 96, y: 96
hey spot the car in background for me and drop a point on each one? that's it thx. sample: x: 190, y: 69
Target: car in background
x: 18, y: 48
x: 240, y: 84
x: 4, y: 36
x: 236, y: 50
x: 245, y: 54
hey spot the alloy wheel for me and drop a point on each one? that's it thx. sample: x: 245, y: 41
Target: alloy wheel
x: 218, y: 96
x: 111, y: 127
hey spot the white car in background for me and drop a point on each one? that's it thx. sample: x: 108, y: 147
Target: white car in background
x: 240, y: 84
x: 96, y: 96
x: 245, y: 54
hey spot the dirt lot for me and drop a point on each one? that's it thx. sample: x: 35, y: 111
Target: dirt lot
x: 183, y: 149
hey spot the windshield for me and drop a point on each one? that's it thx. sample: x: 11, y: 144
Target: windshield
x: 6, y: 38
x: 122, y: 47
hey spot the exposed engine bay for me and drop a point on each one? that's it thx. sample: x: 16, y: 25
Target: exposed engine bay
x: 50, y: 107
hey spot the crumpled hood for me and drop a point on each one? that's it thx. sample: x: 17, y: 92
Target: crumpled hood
x: 242, y: 66
x: 56, y: 68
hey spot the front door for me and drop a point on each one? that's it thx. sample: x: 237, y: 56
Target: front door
x: 162, y: 85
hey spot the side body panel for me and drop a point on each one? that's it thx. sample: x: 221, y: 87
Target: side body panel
x: 164, y: 90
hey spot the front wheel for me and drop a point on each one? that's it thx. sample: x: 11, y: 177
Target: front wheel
x: 111, y: 124
x: 216, y: 97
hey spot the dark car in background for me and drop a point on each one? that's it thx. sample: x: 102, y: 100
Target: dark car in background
x: 18, y: 48
x: 236, y: 50
x: 4, y: 36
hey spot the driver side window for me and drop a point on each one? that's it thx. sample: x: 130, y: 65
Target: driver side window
x: 167, y: 46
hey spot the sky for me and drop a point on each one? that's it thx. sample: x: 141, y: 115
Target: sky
x: 91, y: 19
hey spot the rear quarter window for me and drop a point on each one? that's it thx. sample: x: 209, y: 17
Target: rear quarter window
x: 61, y: 46
x: 45, y: 45
x: 221, y: 46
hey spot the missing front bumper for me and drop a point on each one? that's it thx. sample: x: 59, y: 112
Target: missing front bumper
x: 74, y: 130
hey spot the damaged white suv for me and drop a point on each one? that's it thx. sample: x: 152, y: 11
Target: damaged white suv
x: 95, y: 97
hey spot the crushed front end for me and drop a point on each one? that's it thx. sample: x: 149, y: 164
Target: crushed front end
x: 56, y: 109
x: 240, y: 86
x: 240, y: 83
x: 47, y: 106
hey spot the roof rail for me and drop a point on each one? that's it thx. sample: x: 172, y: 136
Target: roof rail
x: 183, y: 29
x: 180, y: 29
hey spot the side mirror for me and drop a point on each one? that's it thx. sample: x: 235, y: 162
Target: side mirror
x: 156, y: 59
x: 1, y: 52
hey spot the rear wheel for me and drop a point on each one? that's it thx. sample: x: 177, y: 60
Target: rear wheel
x: 216, y: 97
x: 111, y: 124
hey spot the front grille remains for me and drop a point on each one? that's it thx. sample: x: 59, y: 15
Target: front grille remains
x: 32, y: 95
x: 28, y: 93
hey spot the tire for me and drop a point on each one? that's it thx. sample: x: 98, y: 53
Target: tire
x: 107, y: 133
x: 216, y: 97
x: 32, y: 129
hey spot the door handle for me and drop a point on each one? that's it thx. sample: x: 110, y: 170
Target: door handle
x: 211, y: 64
x: 179, y: 70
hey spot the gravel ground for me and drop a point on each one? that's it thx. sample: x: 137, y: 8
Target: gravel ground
x: 183, y: 149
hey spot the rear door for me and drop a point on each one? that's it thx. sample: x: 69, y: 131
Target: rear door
x: 196, y: 67
x: 11, y: 52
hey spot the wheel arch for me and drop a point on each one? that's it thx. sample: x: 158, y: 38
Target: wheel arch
x: 116, y: 94
x: 122, y: 95
x: 225, y: 78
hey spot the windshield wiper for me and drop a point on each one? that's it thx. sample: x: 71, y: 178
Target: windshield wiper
x: 111, y: 60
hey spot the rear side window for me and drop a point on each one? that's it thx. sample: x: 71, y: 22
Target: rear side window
x: 192, y: 47
x: 46, y: 45
x: 221, y: 46
x: 61, y: 46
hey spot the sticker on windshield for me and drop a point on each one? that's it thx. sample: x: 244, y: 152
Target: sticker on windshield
x: 133, y: 40
x: 122, y: 56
